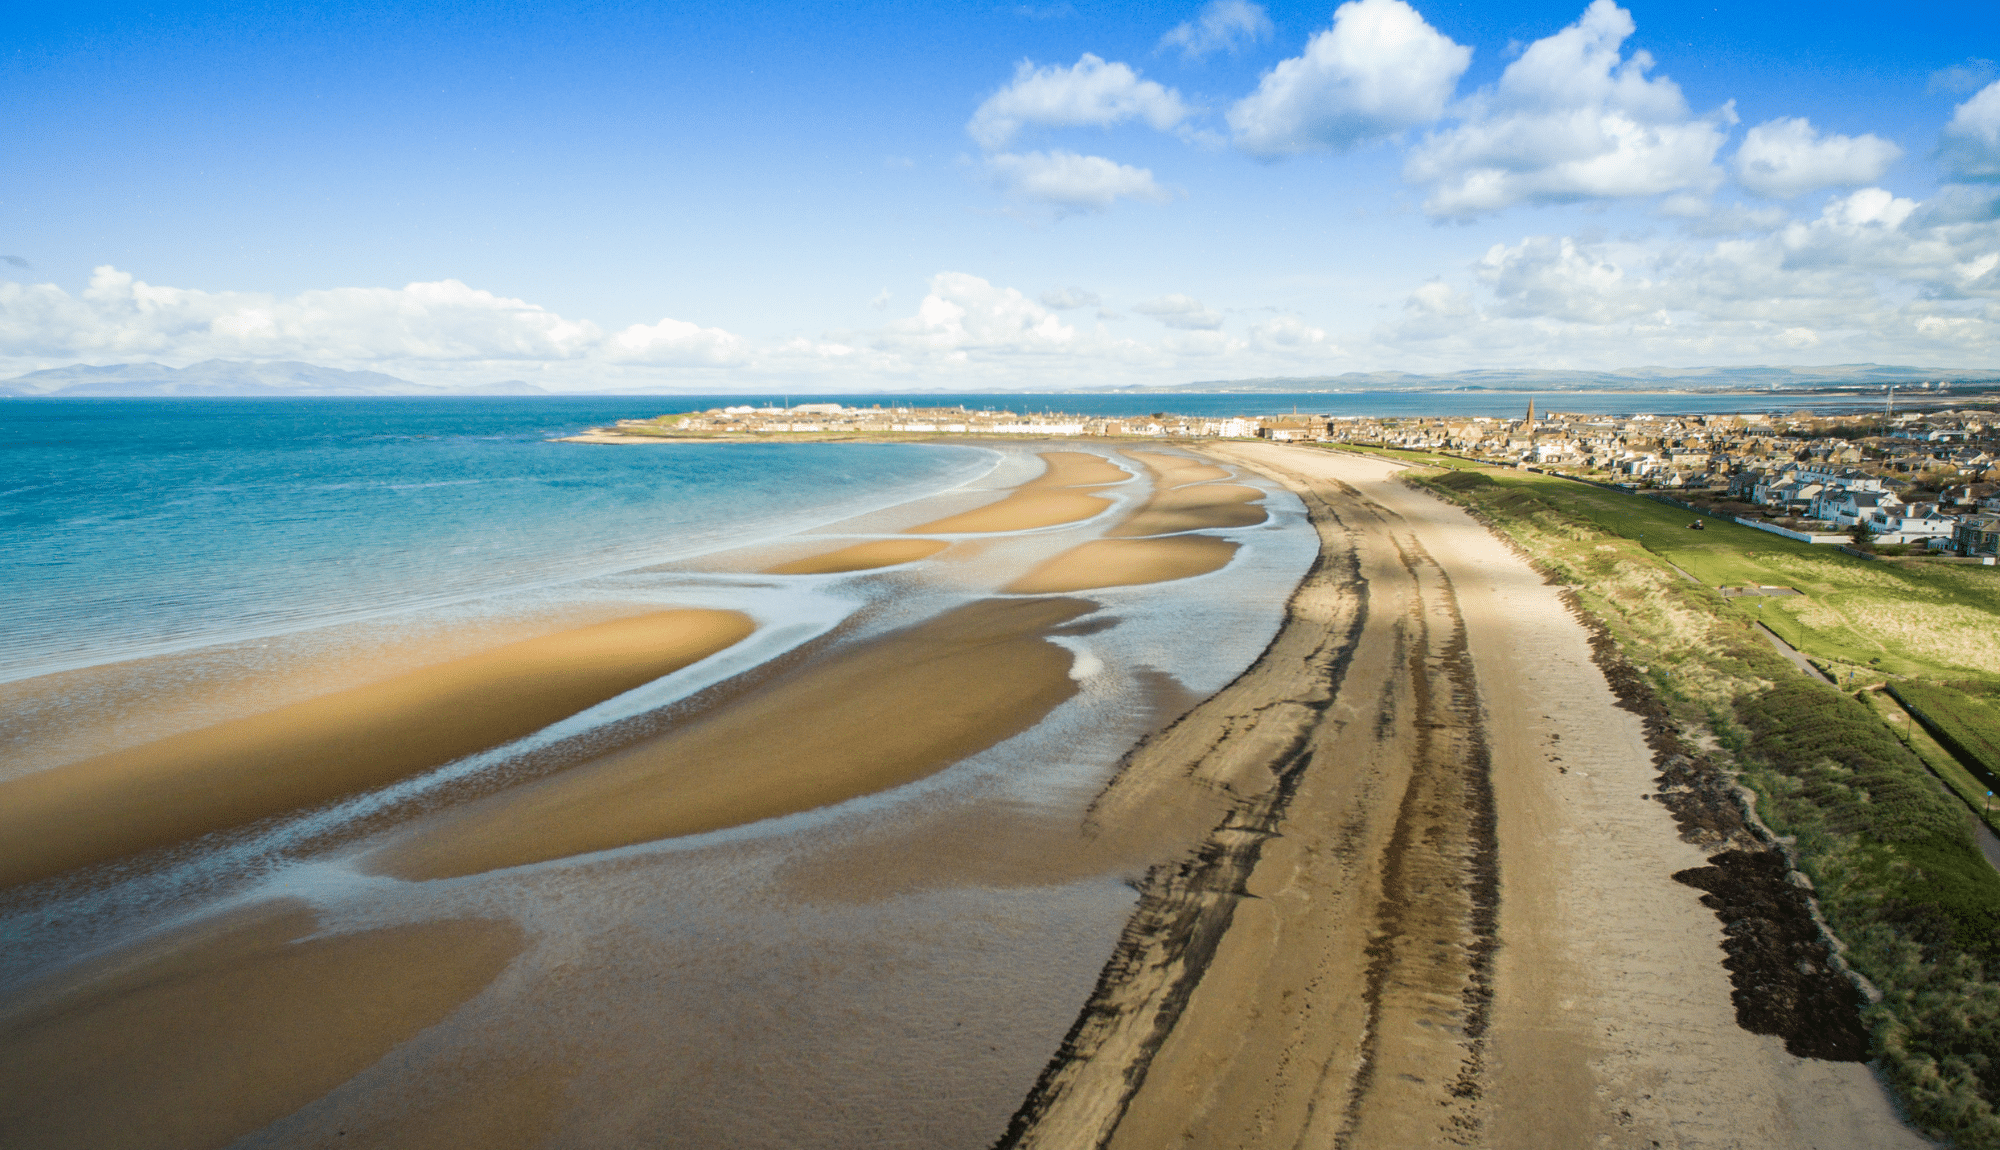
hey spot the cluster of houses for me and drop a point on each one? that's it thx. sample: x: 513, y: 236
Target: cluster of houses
x: 1922, y: 479
x: 1919, y: 478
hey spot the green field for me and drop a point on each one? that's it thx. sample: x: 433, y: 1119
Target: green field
x: 1939, y: 621
x: 1969, y: 727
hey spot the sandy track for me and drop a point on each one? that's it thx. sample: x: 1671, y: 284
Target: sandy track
x: 1438, y: 907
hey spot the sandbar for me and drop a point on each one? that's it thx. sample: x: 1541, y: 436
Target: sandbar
x: 1077, y: 469
x: 1124, y: 562
x: 861, y: 557
x: 232, y: 773
x: 1193, y: 508
x: 1178, y: 470
x: 1026, y: 508
x: 884, y: 713
x: 1061, y: 494
x: 193, y: 1041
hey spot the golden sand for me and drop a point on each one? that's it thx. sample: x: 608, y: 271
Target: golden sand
x: 1059, y: 495
x: 1077, y: 469
x: 883, y: 714
x: 1123, y: 562
x: 861, y: 557
x: 1177, y: 470
x: 1193, y: 508
x: 312, y: 752
x: 1026, y: 508
x: 196, y: 1040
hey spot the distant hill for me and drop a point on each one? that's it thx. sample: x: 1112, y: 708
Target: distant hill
x: 1634, y: 378
x: 222, y: 377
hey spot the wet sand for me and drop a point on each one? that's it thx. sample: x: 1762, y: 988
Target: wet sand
x: 1061, y: 494
x: 1193, y: 508
x: 1125, y: 562
x: 1437, y: 907
x: 882, y: 714
x: 1077, y: 469
x: 186, y: 785
x: 861, y: 557
x: 1178, y: 470
x: 191, y: 1041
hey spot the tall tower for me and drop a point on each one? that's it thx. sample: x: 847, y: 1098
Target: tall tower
x: 1530, y: 422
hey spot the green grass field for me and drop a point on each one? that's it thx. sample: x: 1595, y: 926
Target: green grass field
x: 1939, y: 621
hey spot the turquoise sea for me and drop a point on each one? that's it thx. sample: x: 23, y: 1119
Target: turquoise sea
x: 131, y: 527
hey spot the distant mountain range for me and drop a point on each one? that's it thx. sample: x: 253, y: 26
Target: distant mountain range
x: 1634, y: 378
x: 221, y: 377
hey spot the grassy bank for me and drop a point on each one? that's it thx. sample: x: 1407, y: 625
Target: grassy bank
x: 1890, y: 853
x: 1932, y: 620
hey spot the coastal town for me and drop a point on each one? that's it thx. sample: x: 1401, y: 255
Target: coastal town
x: 1923, y: 480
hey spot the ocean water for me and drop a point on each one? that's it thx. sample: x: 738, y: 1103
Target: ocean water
x: 890, y: 969
x: 141, y: 526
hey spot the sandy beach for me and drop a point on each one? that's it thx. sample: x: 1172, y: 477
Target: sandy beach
x: 1437, y: 907
x: 187, y: 785
x: 1398, y: 883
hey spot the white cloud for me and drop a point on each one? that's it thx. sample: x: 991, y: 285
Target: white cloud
x: 1090, y: 93
x: 1571, y: 120
x: 1183, y: 312
x: 1071, y: 183
x: 675, y: 343
x: 1222, y: 25
x: 1069, y: 298
x: 1873, y: 276
x: 1781, y: 158
x: 120, y: 317
x: 1291, y: 334
x: 1969, y: 76
x: 1378, y: 71
x: 1970, y: 148
x: 964, y: 313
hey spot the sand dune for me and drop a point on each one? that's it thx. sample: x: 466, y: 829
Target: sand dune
x: 1123, y: 562
x: 883, y: 714
x: 861, y: 557
x: 193, y: 1041
x: 226, y: 775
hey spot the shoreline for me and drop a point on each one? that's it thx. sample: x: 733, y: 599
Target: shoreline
x: 1303, y: 974
x: 942, y: 698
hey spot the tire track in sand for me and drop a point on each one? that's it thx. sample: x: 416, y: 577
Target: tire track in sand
x: 1351, y: 879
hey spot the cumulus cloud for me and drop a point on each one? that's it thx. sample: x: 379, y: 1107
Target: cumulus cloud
x: 1089, y: 93
x: 675, y: 343
x: 1288, y: 333
x: 1872, y: 276
x: 1782, y: 158
x: 1970, y: 148
x: 1071, y: 183
x: 1183, y: 312
x: 1069, y: 298
x: 1224, y: 25
x: 963, y: 313
x: 121, y: 317
x: 1378, y: 71
x: 1571, y: 120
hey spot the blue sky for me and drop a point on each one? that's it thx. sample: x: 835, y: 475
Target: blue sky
x: 1033, y: 195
